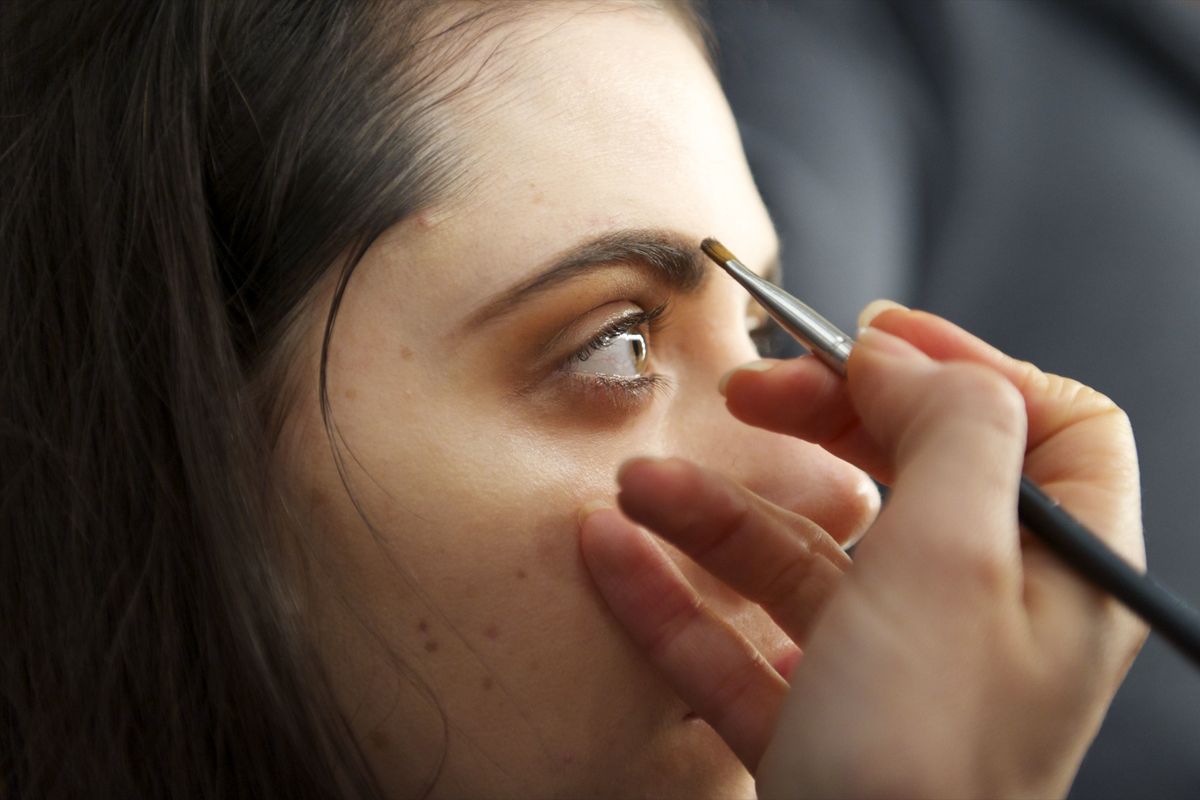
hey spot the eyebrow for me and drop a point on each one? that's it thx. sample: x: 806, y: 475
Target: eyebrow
x: 672, y: 259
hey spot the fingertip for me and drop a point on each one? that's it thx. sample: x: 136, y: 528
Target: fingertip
x: 801, y: 397
x: 610, y: 542
x: 785, y: 663
x: 626, y: 473
x: 601, y: 519
x: 761, y: 365
x: 591, y: 507
x: 880, y: 341
x: 939, y: 338
x: 801, y: 378
x: 648, y: 485
x: 876, y: 307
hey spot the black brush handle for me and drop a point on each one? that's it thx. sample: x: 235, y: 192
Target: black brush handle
x: 1165, y: 613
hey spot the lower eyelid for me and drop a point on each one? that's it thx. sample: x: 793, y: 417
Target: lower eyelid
x: 623, y: 393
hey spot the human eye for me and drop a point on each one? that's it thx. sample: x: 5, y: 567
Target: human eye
x: 616, y: 362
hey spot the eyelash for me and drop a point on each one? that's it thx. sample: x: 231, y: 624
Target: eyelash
x: 618, y: 391
x: 619, y: 326
x: 615, y: 389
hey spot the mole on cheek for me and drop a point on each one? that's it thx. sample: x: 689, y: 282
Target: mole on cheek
x: 431, y: 646
x: 406, y: 353
x: 521, y: 575
x: 488, y: 683
x: 491, y: 632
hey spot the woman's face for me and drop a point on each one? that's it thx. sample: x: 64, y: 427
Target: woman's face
x: 495, y: 359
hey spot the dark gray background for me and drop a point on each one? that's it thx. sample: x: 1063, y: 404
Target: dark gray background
x: 1031, y: 170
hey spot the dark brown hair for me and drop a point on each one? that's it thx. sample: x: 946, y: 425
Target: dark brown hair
x: 178, y: 177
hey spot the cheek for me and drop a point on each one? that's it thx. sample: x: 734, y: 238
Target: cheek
x: 462, y: 494
x: 473, y: 561
x: 475, y: 580
x: 466, y: 511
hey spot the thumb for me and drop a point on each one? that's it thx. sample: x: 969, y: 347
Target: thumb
x: 956, y: 434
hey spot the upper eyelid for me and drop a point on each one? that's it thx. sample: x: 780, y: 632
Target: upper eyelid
x: 618, y: 326
x: 665, y: 257
x: 554, y: 342
x: 628, y: 322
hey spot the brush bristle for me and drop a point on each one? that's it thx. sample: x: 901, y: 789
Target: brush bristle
x: 716, y: 251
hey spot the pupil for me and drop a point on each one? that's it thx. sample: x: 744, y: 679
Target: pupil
x: 639, y: 349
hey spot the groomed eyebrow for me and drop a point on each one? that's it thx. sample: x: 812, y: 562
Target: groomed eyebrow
x: 672, y: 259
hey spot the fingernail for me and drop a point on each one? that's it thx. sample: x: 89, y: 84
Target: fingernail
x: 786, y: 663
x: 874, y: 309
x: 753, y: 366
x: 591, y: 507
x: 876, y: 339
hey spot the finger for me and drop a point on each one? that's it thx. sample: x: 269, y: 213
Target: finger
x: 1080, y: 450
x: 1080, y: 447
x: 956, y: 433
x: 1078, y: 441
x: 1052, y: 402
x: 780, y: 560
x: 802, y: 397
x: 711, y: 666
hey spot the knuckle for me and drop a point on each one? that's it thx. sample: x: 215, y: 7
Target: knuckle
x: 987, y: 571
x: 1120, y: 637
x: 1121, y: 420
x: 982, y: 393
x: 724, y: 699
x: 1079, y: 402
x: 1136, y: 639
x: 665, y: 634
x: 1080, y: 397
x: 781, y: 586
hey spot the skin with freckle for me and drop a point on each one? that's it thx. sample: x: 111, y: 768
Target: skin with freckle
x: 460, y: 625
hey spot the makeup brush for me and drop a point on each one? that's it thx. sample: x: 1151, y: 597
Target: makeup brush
x: 1078, y: 547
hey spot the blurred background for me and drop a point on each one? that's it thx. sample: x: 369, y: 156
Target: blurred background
x: 1031, y: 170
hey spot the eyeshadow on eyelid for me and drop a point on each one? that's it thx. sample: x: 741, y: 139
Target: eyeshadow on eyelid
x: 588, y: 323
x: 667, y: 257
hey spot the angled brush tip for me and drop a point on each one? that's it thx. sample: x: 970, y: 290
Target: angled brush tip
x: 716, y: 251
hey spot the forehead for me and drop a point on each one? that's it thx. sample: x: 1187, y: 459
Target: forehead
x: 608, y: 100
x: 587, y: 117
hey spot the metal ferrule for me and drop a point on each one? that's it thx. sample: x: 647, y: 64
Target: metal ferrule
x: 822, y: 337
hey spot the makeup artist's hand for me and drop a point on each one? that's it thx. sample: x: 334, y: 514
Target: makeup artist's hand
x: 956, y: 657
